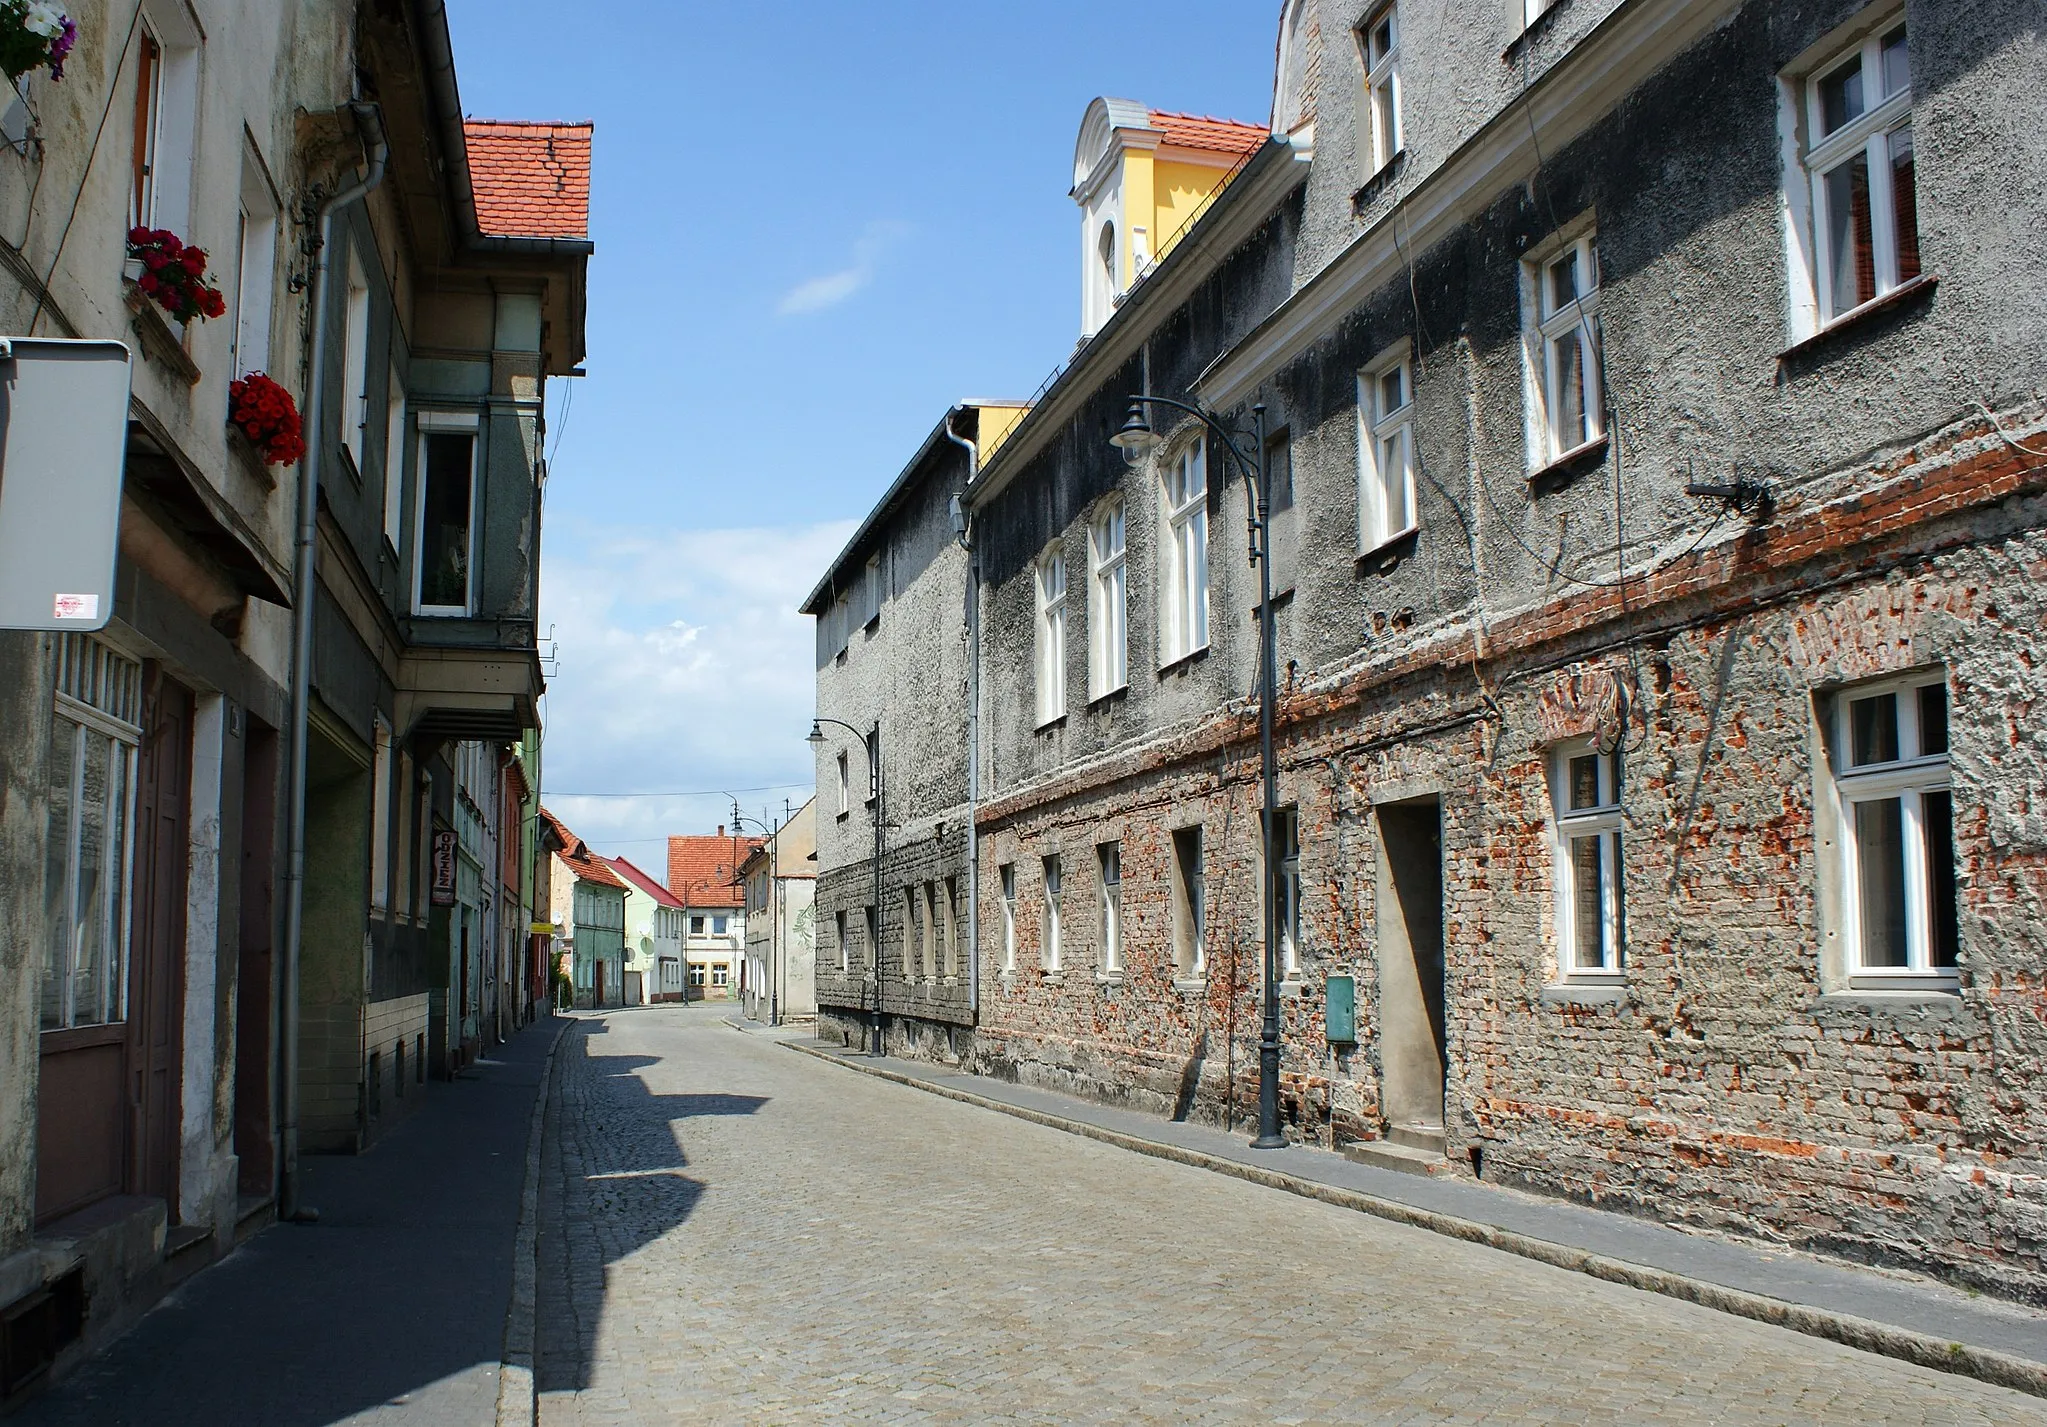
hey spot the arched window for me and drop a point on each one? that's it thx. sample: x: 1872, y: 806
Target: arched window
x: 1106, y: 248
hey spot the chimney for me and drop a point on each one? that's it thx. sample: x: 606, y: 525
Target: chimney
x: 721, y: 829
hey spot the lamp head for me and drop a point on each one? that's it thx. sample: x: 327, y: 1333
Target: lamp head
x: 816, y: 737
x: 1136, y: 434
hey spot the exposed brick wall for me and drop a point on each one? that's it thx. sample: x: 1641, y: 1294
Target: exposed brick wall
x: 1737, y: 1082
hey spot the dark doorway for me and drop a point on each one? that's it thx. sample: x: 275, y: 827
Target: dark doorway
x: 255, y: 995
x: 598, y: 998
x: 1413, y: 1056
x: 156, y: 984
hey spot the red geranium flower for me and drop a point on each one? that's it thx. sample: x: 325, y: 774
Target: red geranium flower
x: 264, y: 412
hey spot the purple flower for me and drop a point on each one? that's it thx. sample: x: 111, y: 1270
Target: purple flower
x: 61, y: 46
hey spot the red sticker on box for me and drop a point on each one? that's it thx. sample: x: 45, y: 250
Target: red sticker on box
x: 78, y: 607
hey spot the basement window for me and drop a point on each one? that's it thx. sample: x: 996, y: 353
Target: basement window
x: 1895, y: 812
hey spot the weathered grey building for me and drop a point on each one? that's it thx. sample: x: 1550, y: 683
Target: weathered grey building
x: 892, y: 696
x: 1658, y: 546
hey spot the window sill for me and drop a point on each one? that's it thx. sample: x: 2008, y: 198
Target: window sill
x: 1183, y: 663
x: 1905, y: 294
x: 1057, y: 720
x: 843, y: 814
x: 1533, y: 31
x: 1585, y: 993
x: 1108, y: 978
x: 160, y: 340
x: 1930, y: 987
x: 1052, y: 976
x: 1280, y: 600
x: 1569, y: 466
x: 250, y: 459
x: 1381, y: 559
x: 1190, y: 985
x: 1378, y: 182
x: 1102, y: 703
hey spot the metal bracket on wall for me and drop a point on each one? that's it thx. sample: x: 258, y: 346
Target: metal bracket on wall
x: 1752, y: 498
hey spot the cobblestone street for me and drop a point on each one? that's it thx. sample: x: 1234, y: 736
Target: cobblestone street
x: 734, y: 1232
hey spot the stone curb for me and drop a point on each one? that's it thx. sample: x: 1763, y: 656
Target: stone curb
x: 1985, y: 1364
x: 518, y: 1385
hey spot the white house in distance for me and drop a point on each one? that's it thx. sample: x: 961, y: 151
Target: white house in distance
x: 703, y: 874
x: 653, y: 937
x: 778, y: 980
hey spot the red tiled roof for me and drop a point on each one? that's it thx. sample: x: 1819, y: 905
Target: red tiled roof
x: 1199, y: 131
x: 701, y: 870
x: 532, y: 180
x: 641, y: 882
x: 581, y: 860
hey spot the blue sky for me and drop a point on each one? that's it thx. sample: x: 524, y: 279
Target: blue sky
x: 817, y: 226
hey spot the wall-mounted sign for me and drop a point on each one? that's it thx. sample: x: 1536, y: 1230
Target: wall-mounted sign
x: 444, y: 869
x: 63, y: 442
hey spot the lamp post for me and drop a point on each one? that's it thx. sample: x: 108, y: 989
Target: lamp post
x: 774, y: 851
x: 816, y: 740
x: 1135, y: 437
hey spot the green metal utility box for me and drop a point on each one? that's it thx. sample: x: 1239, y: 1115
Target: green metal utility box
x: 1340, y: 1011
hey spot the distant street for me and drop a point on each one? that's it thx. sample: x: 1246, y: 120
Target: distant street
x: 737, y: 1233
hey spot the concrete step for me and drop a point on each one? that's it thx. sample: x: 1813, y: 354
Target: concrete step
x: 1402, y: 1159
x: 1419, y: 1137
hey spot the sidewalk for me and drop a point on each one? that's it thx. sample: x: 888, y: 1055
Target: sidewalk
x: 392, y: 1307
x: 1898, y: 1315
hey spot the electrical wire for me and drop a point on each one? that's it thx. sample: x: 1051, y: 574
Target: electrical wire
x: 113, y: 88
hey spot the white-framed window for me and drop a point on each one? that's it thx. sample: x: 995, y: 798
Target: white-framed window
x: 949, y: 925
x: 1562, y: 295
x: 1051, y: 642
x: 1287, y: 842
x: 1855, y: 155
x: 839, y: 935
x: 721, y: 973
x: 1109, y: 866
x: 355, y: 359
x: 1890, y: 776
x: 1386, y: 504
x: 872, y: 742
x: 394, y: 458
x: 1051, y: 949
x: 910, y: 934
x: 719, y: 925
x: 870, y: 586
x: 1533, y: 10
x: 445, y: 513
x: 873, y: 942
x: 1183, y: 554
x: 165, y: 119
x: 255, y: 271
x: 1108, y: 614
x: 1585, y: 788
x: 1190, y: 940
x: 845, y: 782
x: 696, y: 926
x: 89, y: 858
x: 1008, y: 877
x: 1379, y: 47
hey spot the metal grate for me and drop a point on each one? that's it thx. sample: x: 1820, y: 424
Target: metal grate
x: 99, y: 678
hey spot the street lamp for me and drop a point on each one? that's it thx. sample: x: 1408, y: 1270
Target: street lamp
x: 771, y: 907
x: 873, y: 748
x: 1135, y: 437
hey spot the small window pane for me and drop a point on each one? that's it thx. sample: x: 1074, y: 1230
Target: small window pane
x: 1841, y: 97
x: 1588, y: 905
x: 1873, y: 730
x: 1382, y: 37
x: 1937, y: 812
x: 444, y: 521
x: 1880, y: 871
x: 1849, y: 244
x: 1279, y: 459
x: 1932, y: 720
x: 1897, y: 63
x: 89, y: 906
x: 1393, y: 477
x: 1585, y: 782
x: 1570, y: 417
x: 1563, y: 280
x: 1392, y: 390
x: 1905, y: 203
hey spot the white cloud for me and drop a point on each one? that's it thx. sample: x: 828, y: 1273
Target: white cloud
x: 684, y: 666
x: 818, y: 293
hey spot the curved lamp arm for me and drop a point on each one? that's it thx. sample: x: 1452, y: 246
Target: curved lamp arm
x: 1248, y: 464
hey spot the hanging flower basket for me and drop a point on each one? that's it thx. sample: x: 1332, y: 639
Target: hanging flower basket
x: 34, y: 34
x: 173, y: 274
x: 264, y: 412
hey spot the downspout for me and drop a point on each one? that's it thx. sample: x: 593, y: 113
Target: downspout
x: 371, y: 121
x: 973, y: 612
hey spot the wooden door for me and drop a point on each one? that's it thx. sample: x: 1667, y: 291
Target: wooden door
x: 156, y: 979
x: 255, y: 993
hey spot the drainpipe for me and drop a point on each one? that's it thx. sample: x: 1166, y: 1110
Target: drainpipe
x: 973, y: 612
x: 371, y: 122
